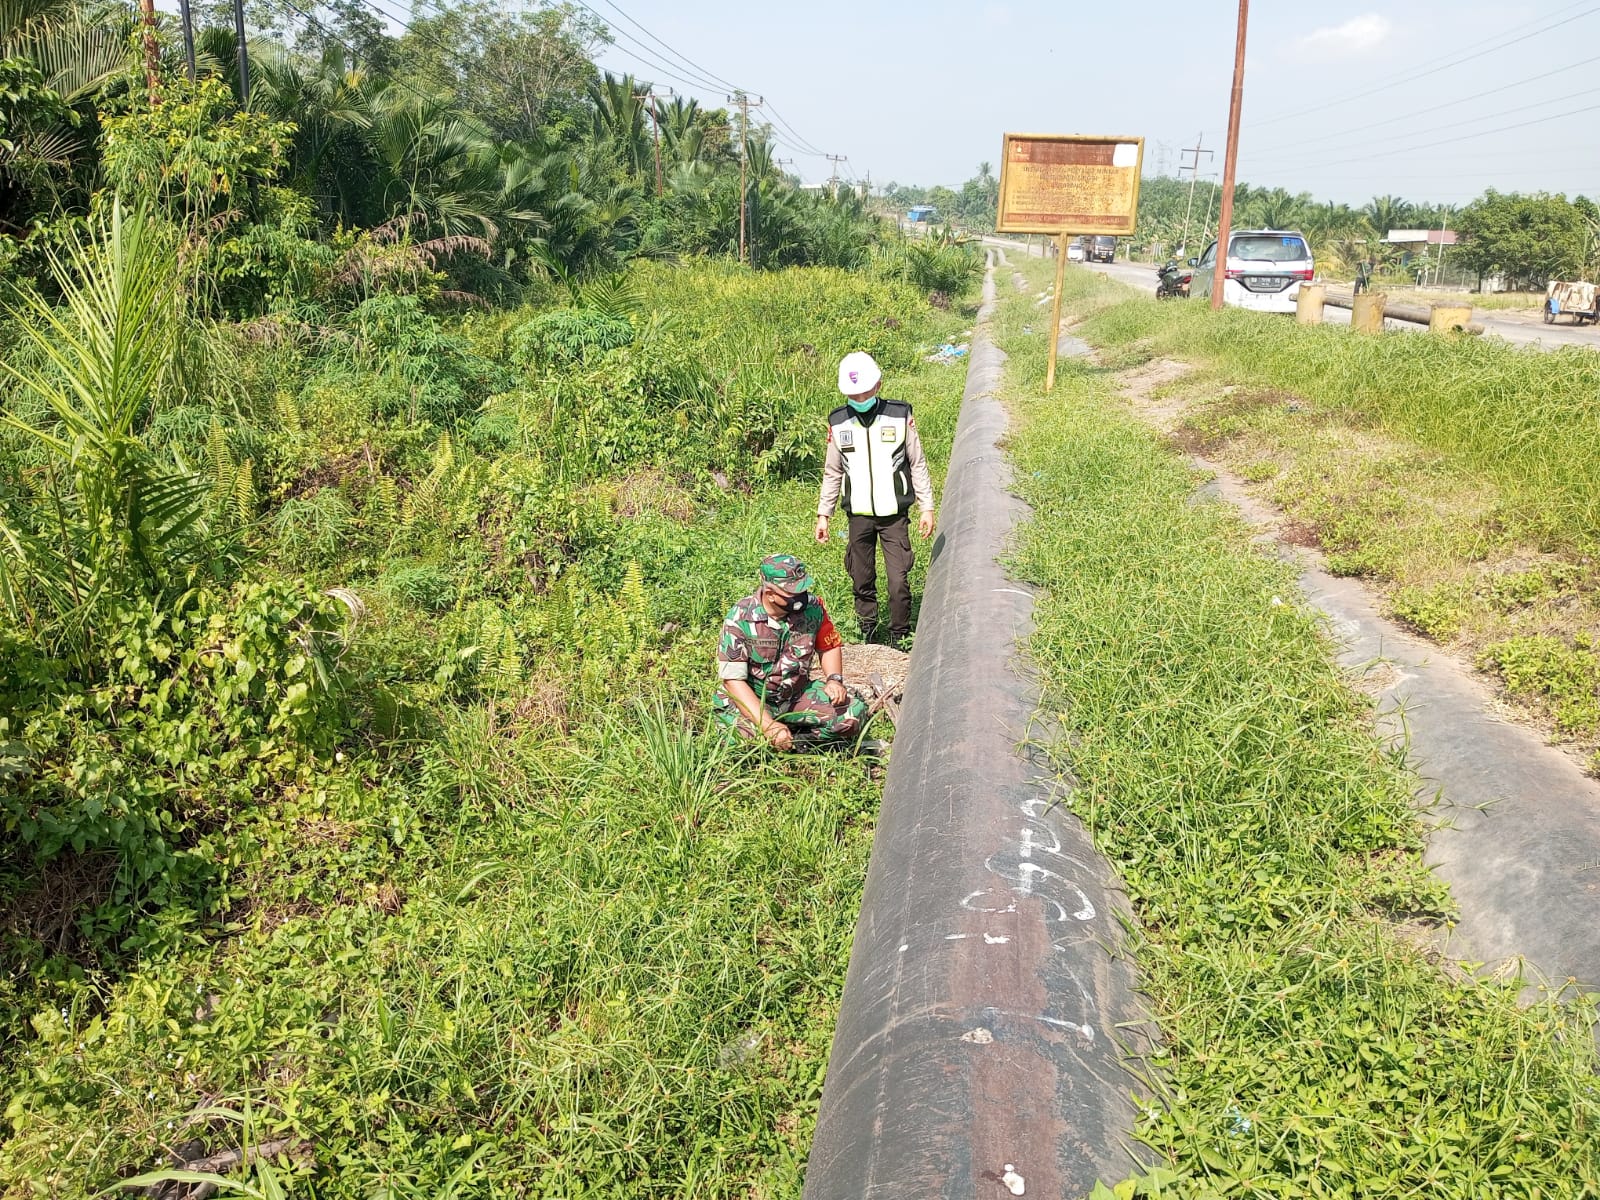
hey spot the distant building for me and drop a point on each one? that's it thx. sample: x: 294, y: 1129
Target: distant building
x: 1418, y: 238
x: 922, y: 212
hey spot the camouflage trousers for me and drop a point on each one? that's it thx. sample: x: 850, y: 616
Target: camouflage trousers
x: 812, y: 718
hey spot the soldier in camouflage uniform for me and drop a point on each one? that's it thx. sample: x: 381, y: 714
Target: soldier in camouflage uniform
x: 764, y: 662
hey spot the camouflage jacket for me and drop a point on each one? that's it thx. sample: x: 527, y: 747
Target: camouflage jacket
x: 773, y: 655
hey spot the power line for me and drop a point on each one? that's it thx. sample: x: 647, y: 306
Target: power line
x: 1541, y: 77
x: 689, y: 62
x: 1395, y: 137
x: 793, y: 133
x: 645, y: 55
x: 1466, y: 137
x: 709, y: 79
x: 1444, y: 66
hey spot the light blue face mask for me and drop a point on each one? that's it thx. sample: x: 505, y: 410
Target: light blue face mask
x: 863, y: 406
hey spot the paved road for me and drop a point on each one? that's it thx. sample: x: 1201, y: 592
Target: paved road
x: 1518, y: 331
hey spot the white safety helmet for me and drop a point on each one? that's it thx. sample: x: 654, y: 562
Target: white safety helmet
x: 858, y: 374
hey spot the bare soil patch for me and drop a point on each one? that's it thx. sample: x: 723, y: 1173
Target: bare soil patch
x: 863, y: 660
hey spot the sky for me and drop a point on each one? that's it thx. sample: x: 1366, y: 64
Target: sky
x: 1423, y: 99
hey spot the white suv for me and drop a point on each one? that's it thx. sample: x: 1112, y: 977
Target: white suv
x: 1264, y: 271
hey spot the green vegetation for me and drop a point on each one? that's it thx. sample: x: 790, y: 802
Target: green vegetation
x: 377, y: 461
x: 1457, y: 476
x: 1314, y: 1042
x: 475, y: 157
x: 1515, y: 417
x: 1530, y: 239
x: 353, y: 779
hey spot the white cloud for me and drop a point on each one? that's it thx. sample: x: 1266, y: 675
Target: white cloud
x: 1355, y: 36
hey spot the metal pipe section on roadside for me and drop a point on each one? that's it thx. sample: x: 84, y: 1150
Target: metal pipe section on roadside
x: 977, y: 1048
x: 1415, y: 314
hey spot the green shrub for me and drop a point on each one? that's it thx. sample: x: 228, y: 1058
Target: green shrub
x: 1439, y: 610
x: 566, y: 336
x: 428, y: 587
x: 1568, y: 677
x: 201, y: 709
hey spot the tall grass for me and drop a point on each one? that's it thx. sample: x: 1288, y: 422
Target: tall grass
x: 1525, y: 418
x: 1267, y: 841
x: 531, y: 931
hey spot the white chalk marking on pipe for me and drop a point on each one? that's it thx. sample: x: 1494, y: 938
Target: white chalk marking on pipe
x: 1015, y: 1184
x: 1084, y: 1031
x: 978, y: 1037
x: 966, y: 903
x: 904, y: 946
x: 1029, y: 871
x: 989, y: 940
x: 956, y: 937
x: 1013, y: 592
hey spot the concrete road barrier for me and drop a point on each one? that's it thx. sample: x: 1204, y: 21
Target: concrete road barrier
x: 1308, y: 304
x: 1366, y: 312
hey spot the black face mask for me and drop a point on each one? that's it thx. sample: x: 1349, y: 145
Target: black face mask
x: 796, y: 604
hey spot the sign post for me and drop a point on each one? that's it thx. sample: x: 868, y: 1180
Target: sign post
x: 1067, y: 184
x: 1055, y: 312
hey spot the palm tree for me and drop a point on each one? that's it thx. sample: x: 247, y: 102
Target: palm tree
x: 682, y: 134
x: 105, y: 516
x: 77, y: 47
x: 619, y: 120
x: 330, y: 160
x: 1384, y: 213
x: 433, y: 166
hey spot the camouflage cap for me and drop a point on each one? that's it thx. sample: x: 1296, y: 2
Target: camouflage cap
x: 787, y: 572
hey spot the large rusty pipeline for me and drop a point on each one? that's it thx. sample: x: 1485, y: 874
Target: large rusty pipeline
x: 977, y: 1049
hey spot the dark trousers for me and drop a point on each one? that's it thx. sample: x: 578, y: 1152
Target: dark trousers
x: 861, y: 561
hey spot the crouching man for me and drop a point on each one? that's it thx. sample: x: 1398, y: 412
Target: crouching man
x: 764, y: 663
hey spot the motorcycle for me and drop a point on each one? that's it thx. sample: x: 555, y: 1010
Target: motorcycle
x: 1174, y: 282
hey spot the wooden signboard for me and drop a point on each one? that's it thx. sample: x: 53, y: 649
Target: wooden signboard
x: 1069, y: 183
x: 1064, y: 183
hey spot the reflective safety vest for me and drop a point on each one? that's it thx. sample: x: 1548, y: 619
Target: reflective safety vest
x: 877, y: 473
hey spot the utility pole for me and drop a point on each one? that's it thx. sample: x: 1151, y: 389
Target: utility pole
x: 1211, y: 200
x: 244, y: 53
x: 833, y: 180
x: 655, y: 130
x: 187, y: 18
x: 1438, y: 269
x: 745, y: 105
x: 1230, y: 159
x: 152, y: 52
x: 1197, y: 150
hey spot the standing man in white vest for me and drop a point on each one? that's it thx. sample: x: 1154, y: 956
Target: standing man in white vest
x: 875, y: 465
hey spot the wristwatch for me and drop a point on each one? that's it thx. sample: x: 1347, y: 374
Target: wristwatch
x: 835, y: 678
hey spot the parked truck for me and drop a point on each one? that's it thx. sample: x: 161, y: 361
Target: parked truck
x: 1102, y: 248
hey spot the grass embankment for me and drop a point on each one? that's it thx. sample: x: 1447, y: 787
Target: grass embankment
x: 1313, y: 1046
x: 513, y: 927
x: 1460, y: 477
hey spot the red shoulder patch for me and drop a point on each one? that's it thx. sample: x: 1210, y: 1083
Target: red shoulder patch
x: 827, y: 636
